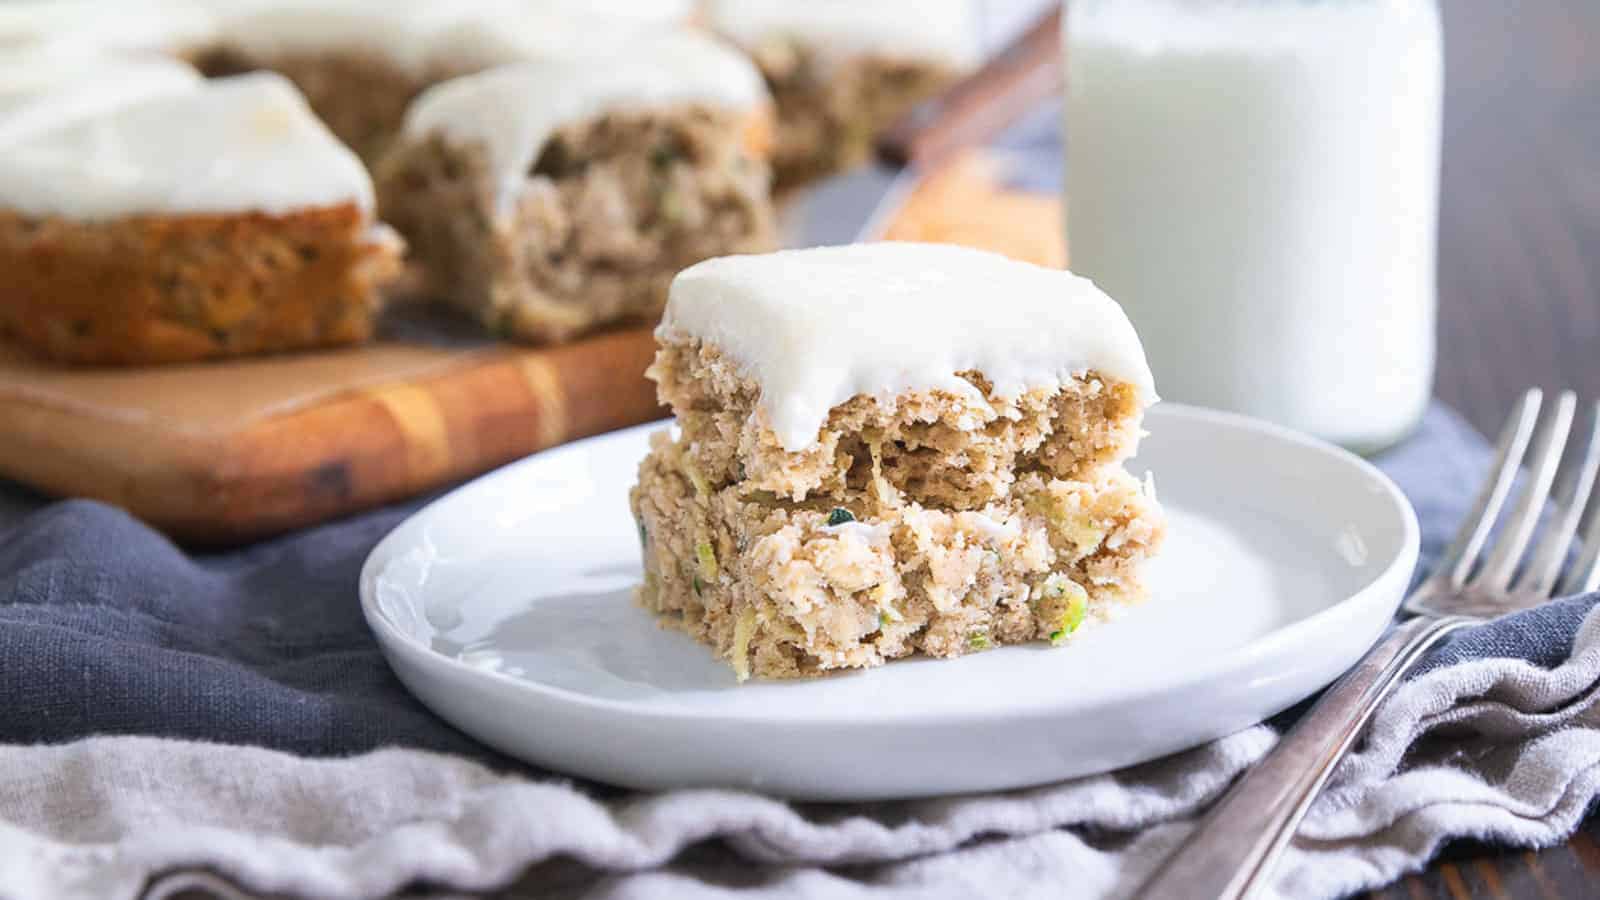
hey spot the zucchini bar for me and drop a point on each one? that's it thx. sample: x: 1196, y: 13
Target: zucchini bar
x: 150, y: 218
x: 552, y: 199
x: 889, y: 449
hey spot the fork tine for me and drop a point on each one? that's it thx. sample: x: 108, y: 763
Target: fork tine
x: 1456, y: 562
x: 1544, y: 460
x: 1585, y: 575
x: 1541, y: 574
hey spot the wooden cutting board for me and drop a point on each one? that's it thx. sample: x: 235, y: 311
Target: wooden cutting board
x: 222, y: 453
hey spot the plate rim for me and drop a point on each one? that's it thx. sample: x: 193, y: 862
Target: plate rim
x: 392, y: 639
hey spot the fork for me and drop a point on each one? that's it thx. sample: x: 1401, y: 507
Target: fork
x: 1236, y: 845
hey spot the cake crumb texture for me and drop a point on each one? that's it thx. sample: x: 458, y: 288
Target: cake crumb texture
x: 174, y: 288
x: 613, y: 208
x: 954, y: 450
x: 931, y: 522
x: 779, y: 592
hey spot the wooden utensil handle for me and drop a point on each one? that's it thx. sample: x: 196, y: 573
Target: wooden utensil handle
x: 980, y: 106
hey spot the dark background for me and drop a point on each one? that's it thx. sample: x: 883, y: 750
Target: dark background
x: 1519, y: 234
x: 1519, y: 290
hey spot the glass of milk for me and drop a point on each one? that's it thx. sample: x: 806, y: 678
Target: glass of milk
x: 1257, y: 182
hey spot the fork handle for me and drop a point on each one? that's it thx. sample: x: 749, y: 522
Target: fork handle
x: 1234, y: 848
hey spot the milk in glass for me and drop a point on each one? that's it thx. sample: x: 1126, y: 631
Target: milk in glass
x: 1257, y: 182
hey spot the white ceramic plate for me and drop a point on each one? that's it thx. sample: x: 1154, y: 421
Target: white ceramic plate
x: 507, y: 608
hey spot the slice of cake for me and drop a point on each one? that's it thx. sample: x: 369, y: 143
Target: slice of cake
x: 887, y: 449
x: 550, y: 199
x: 842, y: 71
x: 216, y: 220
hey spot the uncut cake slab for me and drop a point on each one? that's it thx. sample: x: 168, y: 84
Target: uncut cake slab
x: 901, y: 539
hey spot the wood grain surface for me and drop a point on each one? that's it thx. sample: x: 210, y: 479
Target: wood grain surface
x: 349, y: 450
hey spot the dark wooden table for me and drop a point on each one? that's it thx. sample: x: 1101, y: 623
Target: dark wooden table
x: 1519, y: 291
x: 1519, y: 243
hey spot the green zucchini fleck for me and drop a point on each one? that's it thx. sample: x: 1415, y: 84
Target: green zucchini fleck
x: 840, y: 516
x: 707, y: 557
x: 662, y: 155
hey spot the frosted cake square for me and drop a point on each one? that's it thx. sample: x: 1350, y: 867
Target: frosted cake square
x: 842, y: 71
x: 551, y: 199
x: 890, y: 449
x: 149, y: 216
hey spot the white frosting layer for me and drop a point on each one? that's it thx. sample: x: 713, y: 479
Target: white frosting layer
x: 422, y: 35
x: 644, y: 10
x: 402, y: 31
x: 941, y: 29
x: 814, y: 328
x: 240, y: 144
x: 123, y: 24
x: 505, y: 36
x: 512, y: 111
x: 49, y: 86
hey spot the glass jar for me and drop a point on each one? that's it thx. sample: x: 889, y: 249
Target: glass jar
x: 1257, y: 181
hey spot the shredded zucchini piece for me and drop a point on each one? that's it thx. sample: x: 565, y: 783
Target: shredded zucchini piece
x: 978, y: 640
x: 887, y: 614
x: 1075, y: 609
x: 840, y: 516
x: 701, y: 485
x: 707, y: 555
x: 881, y: 489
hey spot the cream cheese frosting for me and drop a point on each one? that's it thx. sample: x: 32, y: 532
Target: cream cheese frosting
x: 401, y: 31
x: 157, y: 25
x: 48, y: 86
x: 813, y: 328
x: 512, y: 111
x: 941, y: 29
x: 662, y: 11
x: 422, y: 36
x: 241, y: 144
x: 503, y: 35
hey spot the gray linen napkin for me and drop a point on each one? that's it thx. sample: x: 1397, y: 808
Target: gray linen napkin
x: 1496, y: 749
x: 1498, y: 739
